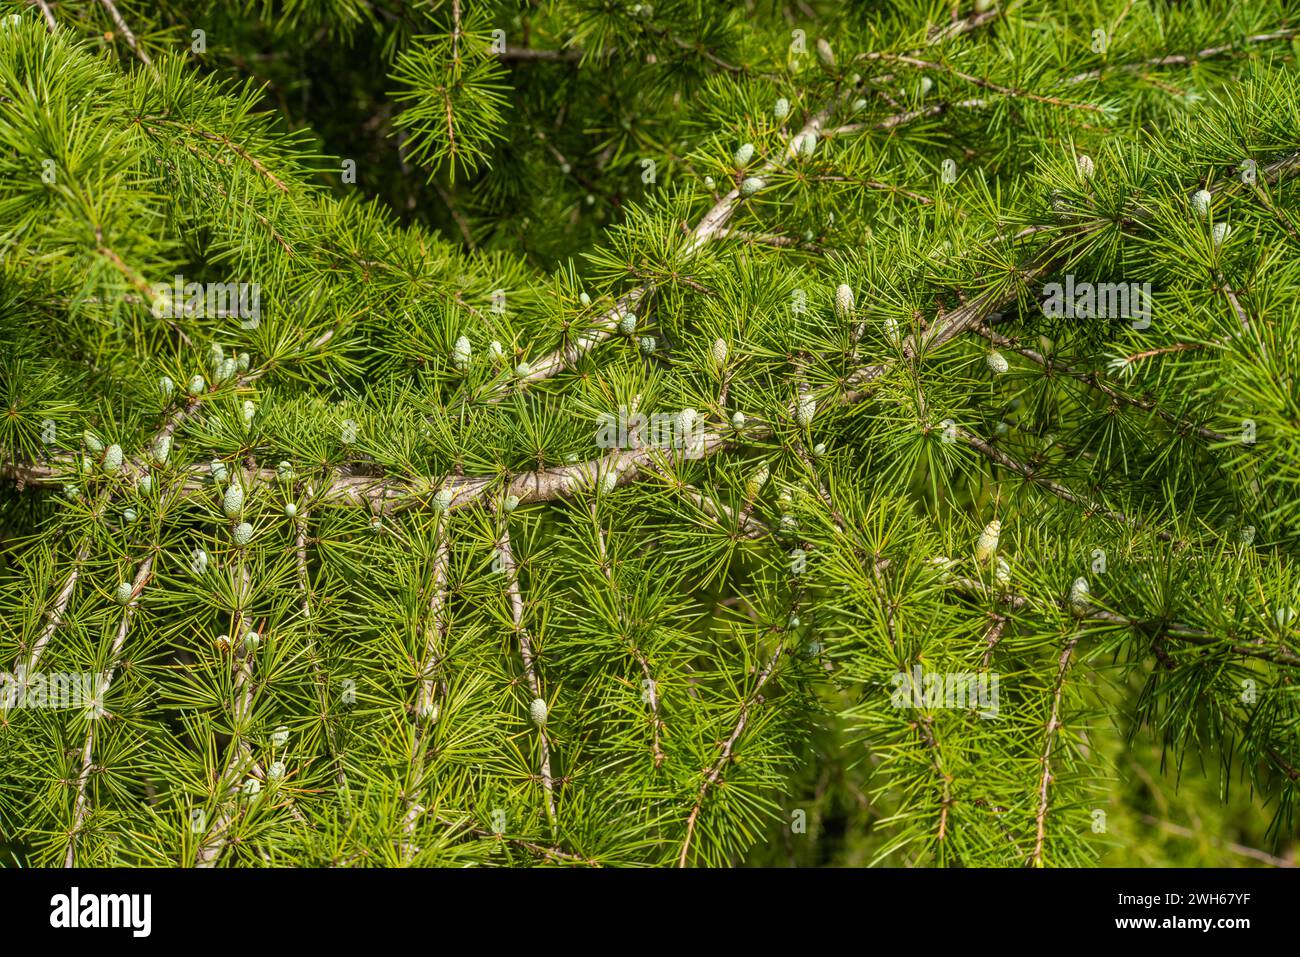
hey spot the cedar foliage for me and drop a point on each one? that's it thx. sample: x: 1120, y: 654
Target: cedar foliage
x: 478, y: 227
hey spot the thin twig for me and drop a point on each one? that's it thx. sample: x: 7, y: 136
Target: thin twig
x: 979, y: 81
x: 1053, y: 724
x: 1180, y: 59
x: 714, y: 773
x: 57, y: 610
x: 322, y: 689
x: 126, y: 32
x: 511, y: 570
x: 427, y: 697
x: 47, y: 13
x: 1235, y: 848
x: 651, y: 690
x: 713, y: 224
x: 996, y: 455
x: 1094, y: 380
x: 214, y: 840
x: 81, y: 804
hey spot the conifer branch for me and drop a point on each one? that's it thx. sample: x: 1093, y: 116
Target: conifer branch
x: 550, y: 853
x: 511, y: 571
x: 426, y: 700
x: 318, y: 676
x: 713, y: 773
x: 1093, y: 379
x: 996, y: 455
x: 792, y: 310
x: 651, y: 689
x: 81, y: 803
x: 216, y: 836
x: 979, y: 81
x: 1179, y: 59
x: 713, y: 225
x: 1163, y: 628
x: 55, y: 613
x: 1053, y: 725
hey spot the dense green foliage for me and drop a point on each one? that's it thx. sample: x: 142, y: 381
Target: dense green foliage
x: 365, y: 574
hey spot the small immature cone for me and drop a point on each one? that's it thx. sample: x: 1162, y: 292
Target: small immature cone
x: 162, y: 449
x: 232, y: 503
x: 744, y: 154
x: 112, y: 458
x: 825, y: 53
x: 1080, y: 600
x: 1002, y: 572
x: 751, y: 186
x: 461, y: 351
x: 1085, y: 166
x: 537, y: 711
x: 1201, y: 201
x: 997, y: 362
x: 720, y: 351
x: 805, y: 410
x: 843, y: 301
x: 986, y: 546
